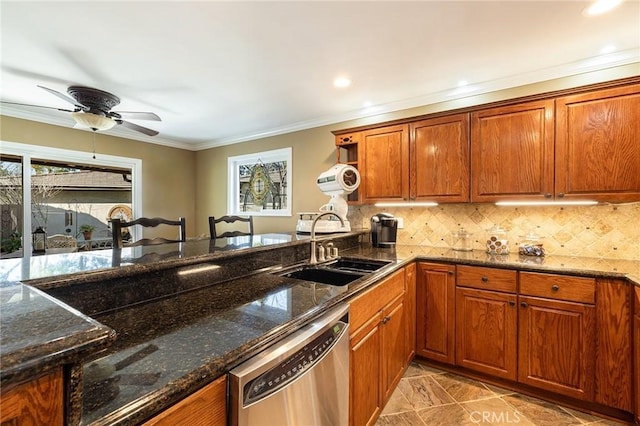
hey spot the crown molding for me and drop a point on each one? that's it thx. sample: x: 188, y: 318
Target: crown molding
x: 589, y: 65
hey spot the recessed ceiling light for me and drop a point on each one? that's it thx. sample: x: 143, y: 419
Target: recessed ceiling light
x: 341, y: 82
x: 601, y: 6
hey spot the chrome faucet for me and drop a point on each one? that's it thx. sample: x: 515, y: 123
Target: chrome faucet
x: 313, y: 260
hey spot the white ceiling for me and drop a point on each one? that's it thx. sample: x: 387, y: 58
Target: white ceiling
x: 225, y: 72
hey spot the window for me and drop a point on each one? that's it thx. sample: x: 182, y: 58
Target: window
x: 69, y: 192
x: 259, y: 184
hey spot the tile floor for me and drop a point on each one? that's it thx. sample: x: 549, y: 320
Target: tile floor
x: 429, y: 397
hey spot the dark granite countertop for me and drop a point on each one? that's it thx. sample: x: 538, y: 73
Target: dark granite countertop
x: 169, y: 346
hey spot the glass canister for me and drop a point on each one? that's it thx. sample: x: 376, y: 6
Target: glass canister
x: 531, y: 245
x: 497, y: 242
x: 462, y: 240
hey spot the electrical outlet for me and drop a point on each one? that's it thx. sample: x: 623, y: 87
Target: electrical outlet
x: 400, y: 222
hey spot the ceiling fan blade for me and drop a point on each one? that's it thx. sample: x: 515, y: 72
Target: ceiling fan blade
x: 132, y: 115
x: 137, y: 128
x: 40, y: 106
x: 65, y: 97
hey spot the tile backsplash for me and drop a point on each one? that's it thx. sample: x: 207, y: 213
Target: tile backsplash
x: 603, y: 231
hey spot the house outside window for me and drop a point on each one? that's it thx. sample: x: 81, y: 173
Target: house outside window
x: 72, y: 197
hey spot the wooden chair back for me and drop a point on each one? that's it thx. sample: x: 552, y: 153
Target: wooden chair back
x: 118, y: 225
x: 230, y: 219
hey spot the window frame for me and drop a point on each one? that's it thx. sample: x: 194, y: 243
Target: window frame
x: 29, y: 152
x: 233, y: 164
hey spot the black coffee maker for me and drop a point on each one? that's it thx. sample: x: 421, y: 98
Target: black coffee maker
x: 384, y: 228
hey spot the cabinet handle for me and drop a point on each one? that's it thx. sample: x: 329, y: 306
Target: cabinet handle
x: 547, y: 195
x: 484, y: 279
x: 523, y: 304
x: 555, y: 287
x: 385, y: 320
x: 561, y: 195
x: 512, y: 303
x: 450, y: 272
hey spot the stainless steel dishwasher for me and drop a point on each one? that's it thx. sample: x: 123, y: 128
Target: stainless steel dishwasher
x: 302, y: 380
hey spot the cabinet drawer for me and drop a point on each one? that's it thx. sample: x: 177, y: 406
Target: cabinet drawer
x: 486, y: 278
x: 561, y: 287
x: 368, y: 304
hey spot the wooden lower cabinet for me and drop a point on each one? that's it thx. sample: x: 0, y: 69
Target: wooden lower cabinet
x: 486, y: 332
x: 378, y: 343
x: 410, y: 310
x: 636, y: 353
x: 435, y: 307
x: 394, y: 347
x: 38, y: 402
x: 206, y: 407
x: 555, y: 346
x: 613, y: 349
x: 365, y: 372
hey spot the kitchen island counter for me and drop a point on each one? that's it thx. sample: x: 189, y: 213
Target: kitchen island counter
x: 215, y: 318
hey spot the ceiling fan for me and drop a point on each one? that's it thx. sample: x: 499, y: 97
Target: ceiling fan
x: 92, y: 109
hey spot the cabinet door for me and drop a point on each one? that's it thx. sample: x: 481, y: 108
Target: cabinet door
x: 208, y: 406
x: 597, y: 149
x: 435, y: 297
x: 486, y: 332
x: 410, y: 311
x: 439, y: 156
x: 393, y: 347
x: 385, y: 172
x: 39, y: 402
x: 512, y: 152
x: 614, y: 368
x: 636, y: 352
x: 365, y: 373
x: 555, y: 346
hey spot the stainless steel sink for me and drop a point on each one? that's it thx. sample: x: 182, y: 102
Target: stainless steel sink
x: 323, y: 275
x: 339, y: 272
x: 357, y: 265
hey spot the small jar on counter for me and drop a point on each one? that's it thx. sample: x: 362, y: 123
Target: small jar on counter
x: 497, y: 242
x: 531, y: 245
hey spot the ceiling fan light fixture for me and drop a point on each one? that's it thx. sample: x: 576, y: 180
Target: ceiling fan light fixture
x: 93, y: 121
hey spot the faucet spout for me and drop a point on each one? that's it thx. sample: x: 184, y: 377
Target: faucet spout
x: 313, y: 260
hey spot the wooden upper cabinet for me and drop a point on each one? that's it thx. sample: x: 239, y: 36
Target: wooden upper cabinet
x: 512, y: 152
x: 385, y: 172
x: 597, y: 145
x: 439, y: 159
